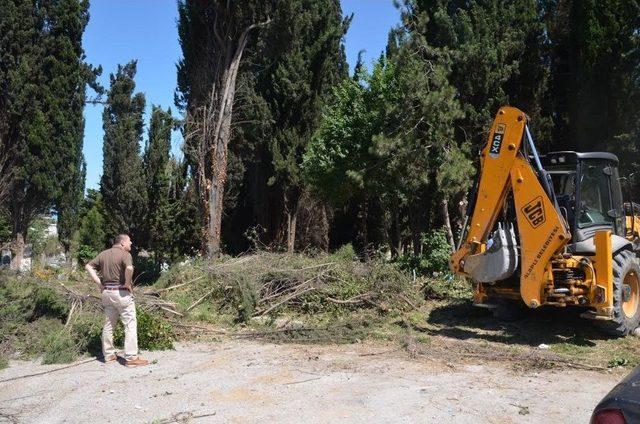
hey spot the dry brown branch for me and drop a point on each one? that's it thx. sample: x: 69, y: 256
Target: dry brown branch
x: 286, y: 299
x: 304, y: 268
x: 171, y: 311
x: 177, y: 285
x: 302, y: 381
x: 407, y: 301
x: 48, y: 372
x: 199, y: 301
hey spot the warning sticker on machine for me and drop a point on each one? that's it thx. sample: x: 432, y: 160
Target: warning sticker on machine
x: 496, y: 142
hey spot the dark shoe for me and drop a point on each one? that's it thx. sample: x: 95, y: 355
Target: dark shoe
x: 138, y: 362
x: 110, y: 358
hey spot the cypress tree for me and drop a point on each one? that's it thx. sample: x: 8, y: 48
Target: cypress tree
x: 42, y: 89
x: 595, y: 61
x: 158, y: 175
x: 123, y: 184
x: 296, y: 61
x: 213, y: 36
x: 69, y: 74
x: 91, y: 236
x: 497, y: 53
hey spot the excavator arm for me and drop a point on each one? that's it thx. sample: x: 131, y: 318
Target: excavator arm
x: 487, y: 254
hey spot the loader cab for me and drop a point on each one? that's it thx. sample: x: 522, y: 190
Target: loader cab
x: 588, y: 193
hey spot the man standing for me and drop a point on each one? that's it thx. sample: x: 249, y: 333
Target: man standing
x: 116, y: 267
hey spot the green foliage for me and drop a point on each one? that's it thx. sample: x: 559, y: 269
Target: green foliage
x: 91, y: 235
x: 434, y: 258
x: 123, y: 184
x: 153, y: 332
x: 5, y: 229
x: 594, y: 85
x: 263, y: 287
x: 171, y: 224
x: 42, y: 87
x: 387, y: 141
x: 59, y: 348
x: 345, y: 253
x: 157, y: 169
x: 85, y: 253
x: 35, y: 321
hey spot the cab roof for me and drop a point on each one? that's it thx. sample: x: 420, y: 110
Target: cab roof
x: 573, y: 157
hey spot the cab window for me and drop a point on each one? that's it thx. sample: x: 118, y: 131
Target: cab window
x: 595, y: 195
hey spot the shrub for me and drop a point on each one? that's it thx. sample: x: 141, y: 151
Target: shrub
x: 85, y: 253
x: 153, y: 332
x: 59, y: 348
x: 345, y: 253
x: 434, y: 258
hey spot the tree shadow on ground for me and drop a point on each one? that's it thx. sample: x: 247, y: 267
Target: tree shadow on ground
x: 548, y: 325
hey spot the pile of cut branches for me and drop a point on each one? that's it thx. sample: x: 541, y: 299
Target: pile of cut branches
x: 265, y: 286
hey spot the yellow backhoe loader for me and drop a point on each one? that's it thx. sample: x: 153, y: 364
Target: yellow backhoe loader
x: 550, y: 230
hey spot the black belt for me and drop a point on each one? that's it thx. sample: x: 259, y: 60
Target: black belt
x: 113, y: 285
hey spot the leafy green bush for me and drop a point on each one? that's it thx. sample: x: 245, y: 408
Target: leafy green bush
x: 153, y: 332
x: 345, y: 253
x: 59, y: 348
x: 85, y: 253
x: 434, y: 258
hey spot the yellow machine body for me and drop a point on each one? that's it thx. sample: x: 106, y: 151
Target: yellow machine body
x: 543, y: 234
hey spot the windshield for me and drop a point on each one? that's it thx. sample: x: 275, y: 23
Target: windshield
x: 564, y: 187
x: 595, y: 196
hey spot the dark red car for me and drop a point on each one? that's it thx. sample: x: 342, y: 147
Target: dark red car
x: 622, y: 404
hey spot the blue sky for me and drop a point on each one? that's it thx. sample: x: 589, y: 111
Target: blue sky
x: 122, y: 30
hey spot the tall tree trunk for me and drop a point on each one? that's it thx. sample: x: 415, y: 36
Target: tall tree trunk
x: 292, y: 218
x: 292, y: 206
x: 394, y: 231
x: 326, y: 225
x: 444, y: 207
x: 365, y: 226
x: 18, y: 251
x: 215, y: 133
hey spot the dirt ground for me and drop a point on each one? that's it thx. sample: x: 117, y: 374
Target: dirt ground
x: 249, y: 382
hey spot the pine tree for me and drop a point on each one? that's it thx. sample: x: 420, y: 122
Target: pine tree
x: 123, y: 184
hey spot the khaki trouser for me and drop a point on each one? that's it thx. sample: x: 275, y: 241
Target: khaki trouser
x: 119, y: 304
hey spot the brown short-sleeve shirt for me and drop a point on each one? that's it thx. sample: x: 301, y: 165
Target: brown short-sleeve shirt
x: 111, y: 263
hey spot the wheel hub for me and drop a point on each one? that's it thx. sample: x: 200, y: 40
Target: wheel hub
x: 630, y: 293
x: 626, y: 293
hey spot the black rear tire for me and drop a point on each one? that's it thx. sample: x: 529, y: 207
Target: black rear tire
x: 626, y: 283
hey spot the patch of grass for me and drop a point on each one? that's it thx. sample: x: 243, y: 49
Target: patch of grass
x: 569, y: 349
x: 4, y: 362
